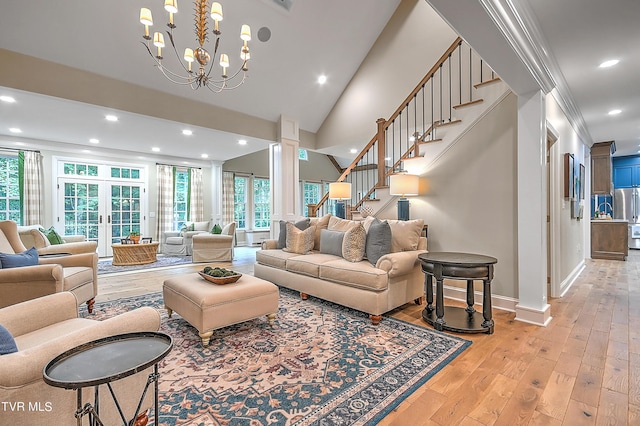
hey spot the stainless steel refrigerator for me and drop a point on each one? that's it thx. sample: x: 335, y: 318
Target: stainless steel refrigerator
x: 626, y: 206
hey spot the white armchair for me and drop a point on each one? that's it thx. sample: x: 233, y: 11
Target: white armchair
x: 215, y: 247
x: 180, y: 243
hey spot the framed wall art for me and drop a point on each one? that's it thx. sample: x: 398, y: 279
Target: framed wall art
x: 569, y: 178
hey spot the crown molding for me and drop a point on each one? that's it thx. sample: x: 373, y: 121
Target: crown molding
x: 519, y: 26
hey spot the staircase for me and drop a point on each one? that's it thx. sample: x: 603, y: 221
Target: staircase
x: 457, y: 92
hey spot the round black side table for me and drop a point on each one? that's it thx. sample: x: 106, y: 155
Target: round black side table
x: 107, y: 360
x: 458, y: 266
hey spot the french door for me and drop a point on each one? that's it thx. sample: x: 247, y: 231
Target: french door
x: 103, y: 210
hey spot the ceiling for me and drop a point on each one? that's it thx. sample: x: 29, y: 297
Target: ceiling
x: 331, y: 37
x: 313, y: 38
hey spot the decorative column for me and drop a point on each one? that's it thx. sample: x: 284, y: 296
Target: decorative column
x: 284, y: 174
x: 532, y: 304
x: 216, y: 192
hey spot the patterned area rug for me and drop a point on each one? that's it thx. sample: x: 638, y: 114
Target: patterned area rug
x: 105, y: 266
x: 320, y: 364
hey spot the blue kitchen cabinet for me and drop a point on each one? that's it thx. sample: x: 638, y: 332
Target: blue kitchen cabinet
x: 626, y: 172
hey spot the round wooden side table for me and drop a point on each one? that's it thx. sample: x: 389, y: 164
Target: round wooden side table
x: 458, y: 266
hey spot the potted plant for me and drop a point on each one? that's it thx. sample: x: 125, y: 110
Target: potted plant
x: 134, y: 236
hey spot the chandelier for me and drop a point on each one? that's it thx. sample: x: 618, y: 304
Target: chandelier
x: 202, y: 77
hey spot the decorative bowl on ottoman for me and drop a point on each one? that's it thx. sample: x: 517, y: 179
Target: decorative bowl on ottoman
x: 219, y: 275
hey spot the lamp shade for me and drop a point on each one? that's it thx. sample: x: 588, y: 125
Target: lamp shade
x: 340, y: 190
x: 403, y: 184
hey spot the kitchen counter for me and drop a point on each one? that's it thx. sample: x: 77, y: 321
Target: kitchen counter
x: 609, y: 239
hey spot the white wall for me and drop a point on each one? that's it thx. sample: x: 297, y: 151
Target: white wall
x: 573, y: 245
x: 469, y: 197
x: 413, y: 40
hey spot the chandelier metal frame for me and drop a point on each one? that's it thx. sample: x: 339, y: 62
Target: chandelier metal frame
x: 202, y: 76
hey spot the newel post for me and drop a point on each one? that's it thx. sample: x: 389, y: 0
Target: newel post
x: 381, y: 147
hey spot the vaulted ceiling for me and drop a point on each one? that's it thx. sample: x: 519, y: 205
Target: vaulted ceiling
x: 91, y: 51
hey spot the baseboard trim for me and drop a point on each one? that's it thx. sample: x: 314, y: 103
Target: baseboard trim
x: 566, y: 284
x: 497, y: 302
x: 541, y: 317
x: 524, y: 314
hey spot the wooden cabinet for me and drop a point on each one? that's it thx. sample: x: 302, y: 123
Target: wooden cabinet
x: 609, y: 240
x: 601, y: 168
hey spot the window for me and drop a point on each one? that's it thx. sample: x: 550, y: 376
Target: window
x: 311, y: 194
x: 261, y: 201
x: 180, y: 198
x: 240, y: 201
x: 252, y: 202
x: 9, y: 189
x: 80, y: 169
x: 303, y: 154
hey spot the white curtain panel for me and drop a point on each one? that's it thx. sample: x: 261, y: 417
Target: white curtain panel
x: 196, y: 207
x: 227, y: 197
x: 165, y: 199
x: 32, y: 188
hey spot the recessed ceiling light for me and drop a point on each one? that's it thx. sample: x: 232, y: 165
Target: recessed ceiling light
x: 15, y: 130
x: 8, y: 99
x: 187, y: 132
x: 111, y: 118
x: 86, y: 151
x: 242, y: 142
x: 93, y: 140
x: 353, y: 150
x: 204, y: 155
x: 607, y: 64
x: 155, y: 149
x: 615, y: 111
x: 322, y: 79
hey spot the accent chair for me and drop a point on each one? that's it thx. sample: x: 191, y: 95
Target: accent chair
x: 77, y: 273
x: 42, y: 329
x: 180, y: 243
x: 215, y: 247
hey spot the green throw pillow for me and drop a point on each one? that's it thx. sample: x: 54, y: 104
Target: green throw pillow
x: 216, y: 229
x: 53, y: 237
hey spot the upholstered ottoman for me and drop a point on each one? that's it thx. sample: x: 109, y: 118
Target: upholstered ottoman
x: 208, y: 306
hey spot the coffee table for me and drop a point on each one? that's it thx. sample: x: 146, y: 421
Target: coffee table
x: 134, y: 254
x: 104, y: 361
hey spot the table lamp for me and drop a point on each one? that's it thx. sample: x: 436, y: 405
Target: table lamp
x: 340, y: 191
x: 403, y: 184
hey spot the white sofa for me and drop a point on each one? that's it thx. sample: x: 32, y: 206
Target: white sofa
x: 395, y: 279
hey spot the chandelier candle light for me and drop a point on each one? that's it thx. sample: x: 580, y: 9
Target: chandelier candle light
x: 202, y: 76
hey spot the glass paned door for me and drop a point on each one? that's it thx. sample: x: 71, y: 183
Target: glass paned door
x: 81, y: 209
x: 125, y: 215
x: 101, y: 211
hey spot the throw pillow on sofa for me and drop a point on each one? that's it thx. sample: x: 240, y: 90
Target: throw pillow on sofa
x: 300, y: 242
x: 26, y: 258
x: 282, y: 237
x: 331, y: 242
x: 378, y: 240
x: 7, y: 342
x: 338, y: 224
x: 52, y: 235
x: 405, y: 234
x: 353, y: 244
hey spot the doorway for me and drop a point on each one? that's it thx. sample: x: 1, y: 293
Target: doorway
x: 103, y: 202
x: 553, y: 194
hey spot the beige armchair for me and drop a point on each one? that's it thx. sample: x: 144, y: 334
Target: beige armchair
x: 180, y: 243
x: 215, y: 247
x: 73, y: 244
x: 77, y: 273
x: 45, y: 327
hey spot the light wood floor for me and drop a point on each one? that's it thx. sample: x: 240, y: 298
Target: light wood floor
x: 583, y: 369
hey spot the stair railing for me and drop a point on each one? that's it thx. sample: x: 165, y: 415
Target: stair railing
x: 429, y: 107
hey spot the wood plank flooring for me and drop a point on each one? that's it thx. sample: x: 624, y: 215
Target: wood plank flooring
x: 583, y: 369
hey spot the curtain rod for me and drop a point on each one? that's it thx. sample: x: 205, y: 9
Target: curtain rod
x: 173, y: 165
x: 19, y: 149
